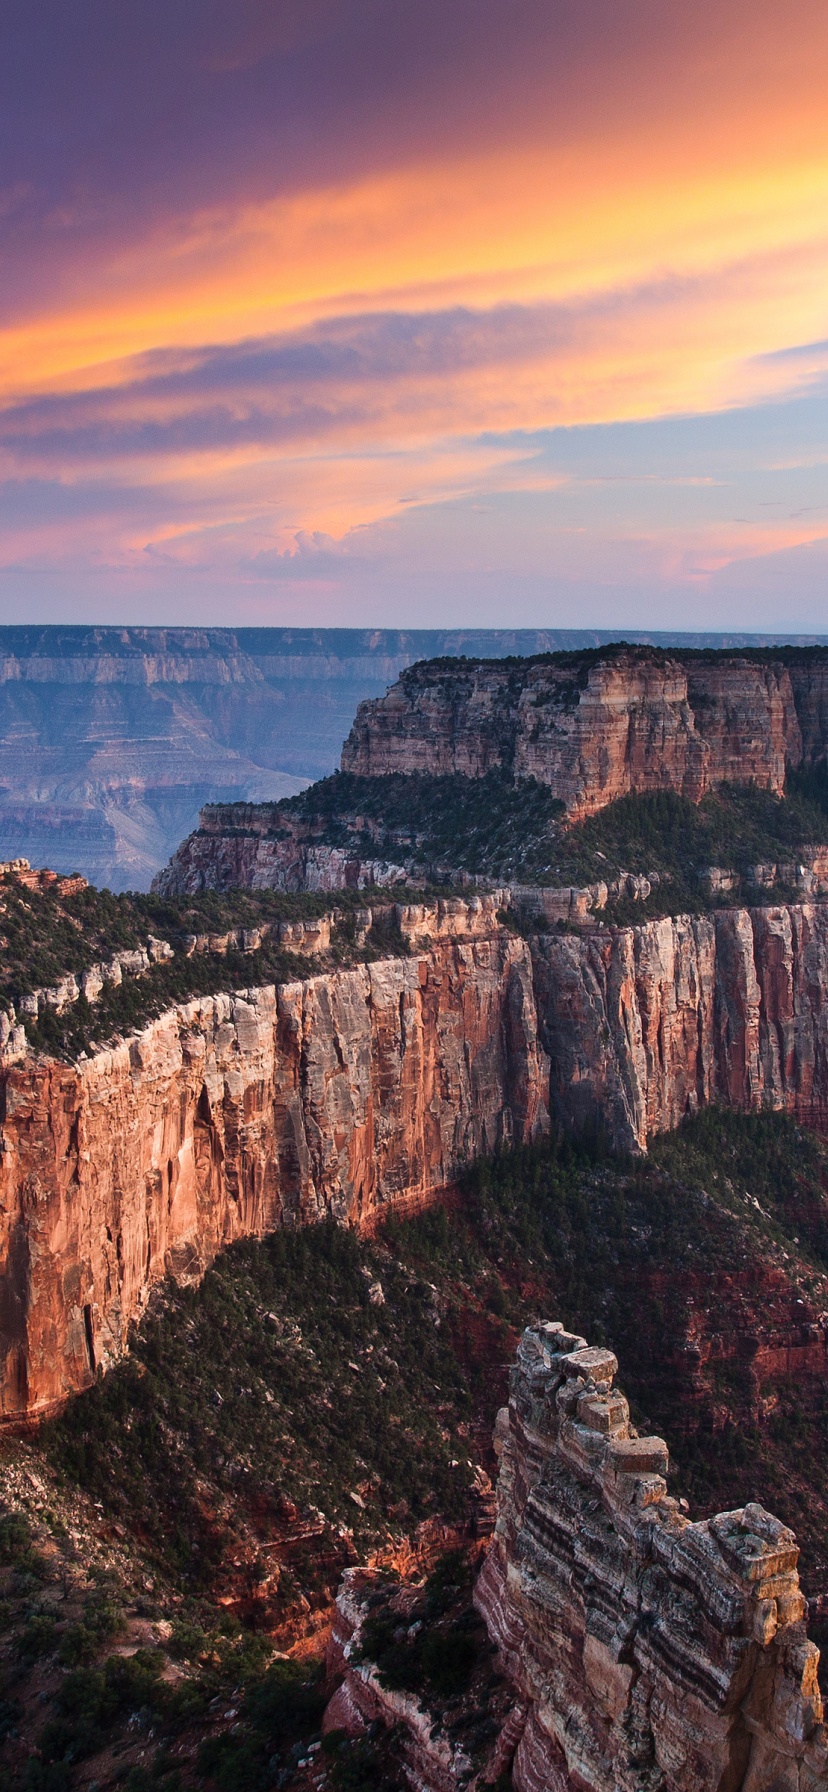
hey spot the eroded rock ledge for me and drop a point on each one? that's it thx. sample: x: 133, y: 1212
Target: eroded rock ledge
x: 346, y: 1094
x: 595, y: 727
x: 647, y: 1653
x: 356, y: 1090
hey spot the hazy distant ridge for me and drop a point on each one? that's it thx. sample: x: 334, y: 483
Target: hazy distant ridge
x: 111, y: 739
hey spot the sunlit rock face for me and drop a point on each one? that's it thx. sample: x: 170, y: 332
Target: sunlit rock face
x: 256, y: 846
x: 599, y: 729
x: 355, y: 1090
x: 646, y: 1024
x: 644, y: 1651
x: 347, y: 1094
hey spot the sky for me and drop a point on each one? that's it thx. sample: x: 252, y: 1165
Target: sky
x: 443, y: 313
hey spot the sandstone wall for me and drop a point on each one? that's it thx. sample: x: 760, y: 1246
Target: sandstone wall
x: 252, y: 846
x: 354, y: 1089
x: 645, y: 1024
x: 229, y: 1116
x: 596, y: 731
x: 644, y: 1651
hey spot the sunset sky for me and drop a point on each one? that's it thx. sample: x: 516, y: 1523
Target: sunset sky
x: 375, y: 311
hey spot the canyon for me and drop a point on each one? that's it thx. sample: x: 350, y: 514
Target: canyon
x: 112, y: 739
x: 639, y: 1649
x: 346, y: 1094
x: 356, y: 1092
x: 595, y: 727
x: 409, y: 1040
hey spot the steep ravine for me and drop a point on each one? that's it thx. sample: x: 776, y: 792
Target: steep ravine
x: 359, y: 1091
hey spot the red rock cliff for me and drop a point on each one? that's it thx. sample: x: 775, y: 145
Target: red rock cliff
x: 358, y: 1089
x: 229, y: 1116
x: 646, y: 1024
x: 596, y: 728
x: 644, y: 1650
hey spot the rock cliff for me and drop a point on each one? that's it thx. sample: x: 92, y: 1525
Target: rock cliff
x: 113, y: 738
x: 644, y: 1651
x: 343, y: 1094
x: 355, y: 1089
x: 596, y: 727
x: 645, y: 1024
x: 256, y: 846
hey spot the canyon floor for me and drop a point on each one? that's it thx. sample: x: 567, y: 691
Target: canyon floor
x: 171, y: 1545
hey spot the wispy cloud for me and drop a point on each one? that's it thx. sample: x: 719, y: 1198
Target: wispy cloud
x: 301, y: 293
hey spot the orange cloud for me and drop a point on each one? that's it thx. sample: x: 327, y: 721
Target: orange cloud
x: 646, y: 244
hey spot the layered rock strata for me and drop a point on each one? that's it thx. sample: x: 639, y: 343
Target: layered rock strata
x: 358, y: 1088
x: 433, y: 1761
x: 645, y: 1651
x: 255, y: 846
x: 341, y: 1095
x: 643, y: 1025
x: 596, y: 728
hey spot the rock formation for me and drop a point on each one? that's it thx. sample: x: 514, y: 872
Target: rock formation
x: 595, y: 727
x: 343, y: 1094
x: 357, y: 1088
x: 643, y: 1025
x: 113, y: 738
x: 645, y: 1651
x: 256, y: 846
x: 434, y: 1761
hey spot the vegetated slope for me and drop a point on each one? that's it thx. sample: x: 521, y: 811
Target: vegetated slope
x: 323, y: 1398
x: 359, y: 1366
x: 499, y: 829
x: 735, y: 827
x: 489, y: 826
x: 45, y: 936
x: 113, y: 738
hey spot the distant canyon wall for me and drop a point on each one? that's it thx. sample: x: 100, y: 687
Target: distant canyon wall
x: 594, y: 731
x: 359, y: 1091
x: 112, y: 739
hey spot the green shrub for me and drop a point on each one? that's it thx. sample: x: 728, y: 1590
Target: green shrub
x: 448, y: 1658
x: 188, y: 1640
x: 15, y: 1538
x: 282, y: 1704
x: 92, y: 1699
x: 39, y: 1637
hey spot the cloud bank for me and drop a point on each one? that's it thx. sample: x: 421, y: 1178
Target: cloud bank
x: 356, y: 312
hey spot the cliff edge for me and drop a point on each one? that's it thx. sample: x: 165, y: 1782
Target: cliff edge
x: 345, y: 1094
x: 644, y: 1651
x: 352, y: 1091
x: 595, y: 727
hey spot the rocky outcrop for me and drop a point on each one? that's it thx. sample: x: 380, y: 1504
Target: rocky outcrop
x: 595, y: 727
x: 643, y: 1025
x: 645, y: 1651
x: 343, y: 1095
x: 113, y: 738
x: 433, y: 1761
x: 257, y: 846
